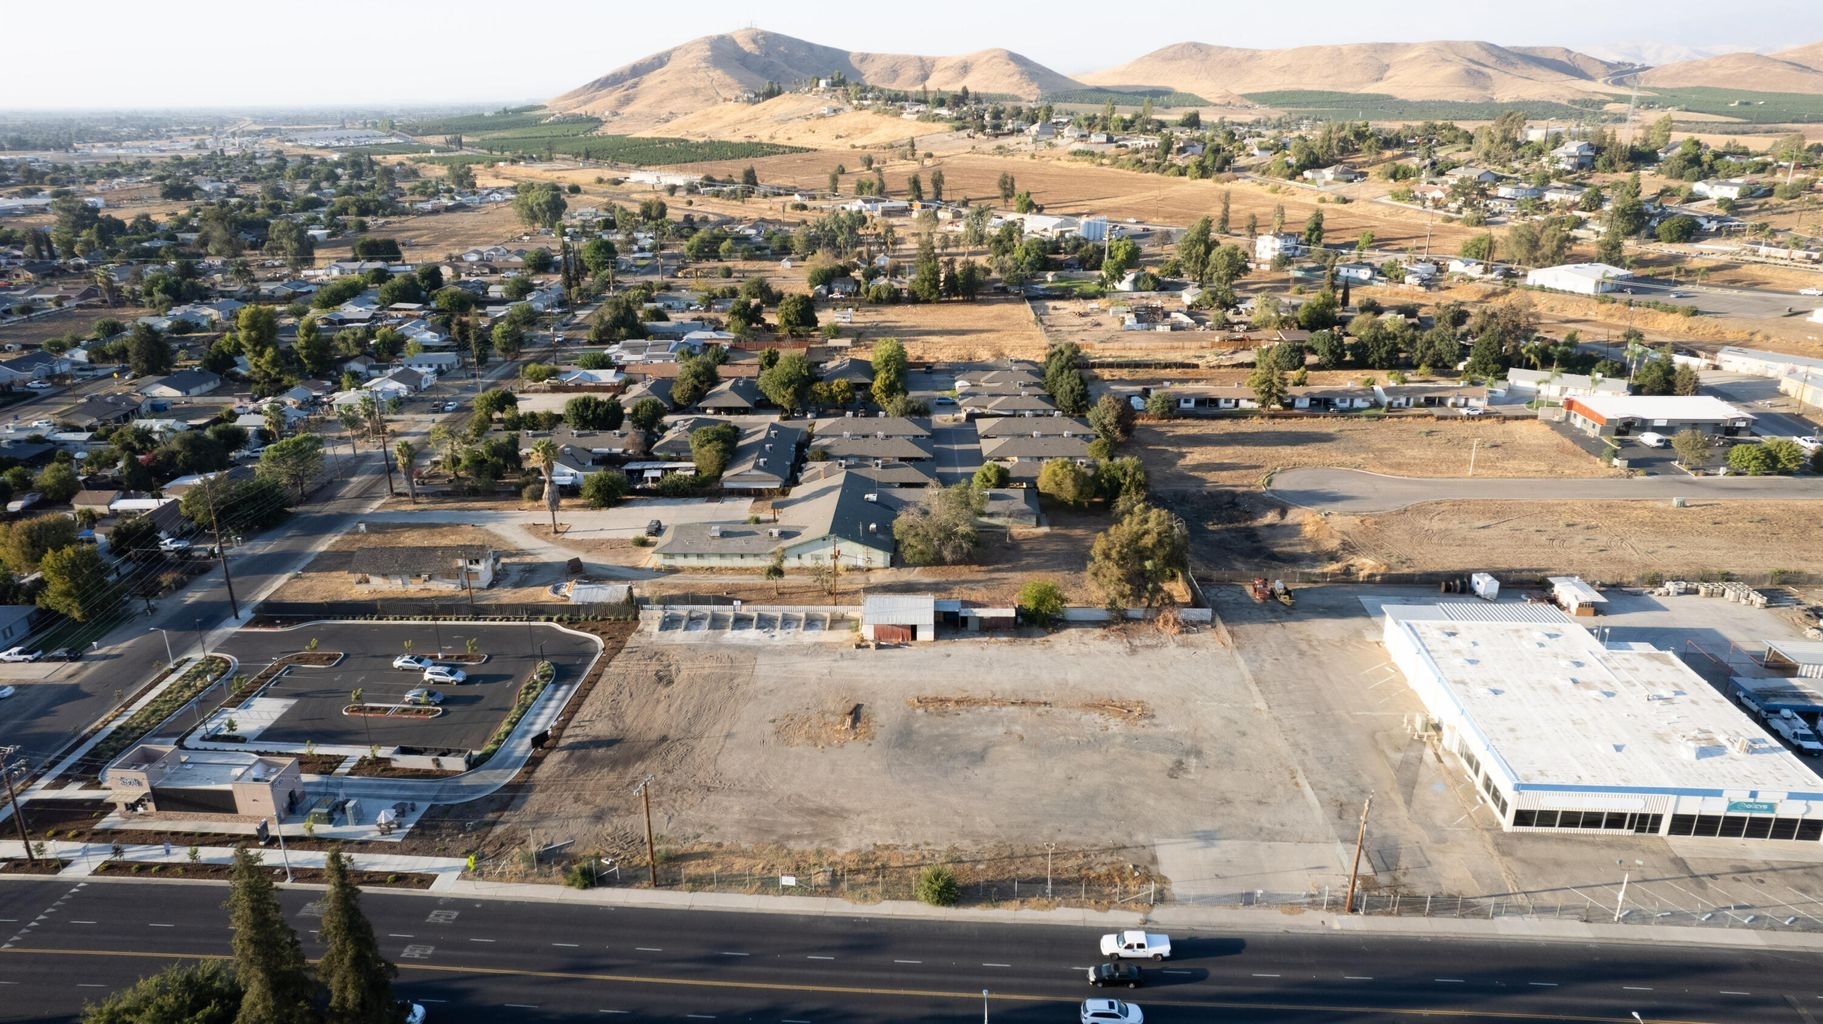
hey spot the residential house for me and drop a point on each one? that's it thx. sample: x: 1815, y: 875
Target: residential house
x: 1332, y: 398
x: 445, y: 567
x: 1032, y: 426
x: 840, y: 518
x: 1573, y: 156
x: 1479, y: 175
x: 103, y: 410
x: 1038, y: 404
x: 1024, y: 455
x: 1267, y: 248
x: 1446, y: 395
x: 439, y: 363
x: 765, y: 458
x: 1338, y: 174
x: 886, y: 474
x: 1725, y: 188
x: 39, y: 365
x: 658, y: 389
x: 183, y: 384
x: 1210, y: 399
x: 738, y: 396
x: 1605, y: 415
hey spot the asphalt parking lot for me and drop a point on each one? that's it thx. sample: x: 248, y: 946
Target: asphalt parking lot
x: 472, y: 711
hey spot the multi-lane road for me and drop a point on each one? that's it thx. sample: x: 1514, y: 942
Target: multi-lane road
x: 468, y: 959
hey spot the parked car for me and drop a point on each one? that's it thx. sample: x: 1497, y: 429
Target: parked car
x: 40, y: 385
x: 445, y: 674
x: 1110, y: 1011
x: 1810, y: 291
x: 413, y: 662
x: 1652, y: 440
x: 943, y: 400
x: 21, y: 654
x: 1809, y: 442
x: 451, y: 406
x: 1116, y: 973
x: 423, y: 696
x: 413, y: 1015
x: 173, y: 544
x: 64, y: 654
x: 654, y: 528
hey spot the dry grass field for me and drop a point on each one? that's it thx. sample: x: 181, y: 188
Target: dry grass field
x: 1197, y: 454
x: 954, y: 331
x: 1619, y: 541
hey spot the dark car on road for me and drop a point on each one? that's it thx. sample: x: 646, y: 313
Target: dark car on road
x: 1114, y: 974
x: 654, y: 528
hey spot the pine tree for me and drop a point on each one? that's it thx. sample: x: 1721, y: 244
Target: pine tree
x: 358, y: 978
x: 268, y: 960
x: 1221, y: 224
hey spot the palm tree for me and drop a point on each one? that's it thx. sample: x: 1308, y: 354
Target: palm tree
x: 406, y: 453
x: 451, y: 443
x: 545, y: 451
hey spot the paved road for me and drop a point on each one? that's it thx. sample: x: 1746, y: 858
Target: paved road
x: 469, y: 959
x: 1353, y: 492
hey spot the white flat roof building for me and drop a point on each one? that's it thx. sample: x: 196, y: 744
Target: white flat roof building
x: 1581, y: 278
x: 1559, y: 732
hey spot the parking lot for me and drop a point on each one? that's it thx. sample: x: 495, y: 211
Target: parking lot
x: 305, y: 705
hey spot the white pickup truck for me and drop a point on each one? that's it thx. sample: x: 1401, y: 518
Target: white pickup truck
x: 1136, y: 946
x: 1796, y: 732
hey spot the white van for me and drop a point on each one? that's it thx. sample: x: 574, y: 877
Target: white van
x: 1651, y: 440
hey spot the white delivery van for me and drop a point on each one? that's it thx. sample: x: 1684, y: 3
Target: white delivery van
x: 1651, y: 440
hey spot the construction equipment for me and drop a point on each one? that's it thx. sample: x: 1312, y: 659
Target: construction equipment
x: 1282, y: 595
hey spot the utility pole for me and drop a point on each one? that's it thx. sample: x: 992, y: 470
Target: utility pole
x: 1354, y: 873
x: 7, y: 768
x: 221, y: 550
x: 644, y: 789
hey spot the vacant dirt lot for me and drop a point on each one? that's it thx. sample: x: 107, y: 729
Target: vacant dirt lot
x: 955, y: 331
x: 1196, y: 454
x: 1604, y: 540
x: 333, y: 574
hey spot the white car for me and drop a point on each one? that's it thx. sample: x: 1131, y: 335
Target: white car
x: 413, y: 662
x: 1809, y: 442
x: 40, y: 385
x: 7, y: 691
x: 173, y: 544
x: 414, y: 1015
x: 1810, y: 291
x: 1111, y: 1011
x: 444, y: 674
x: 21, y: 654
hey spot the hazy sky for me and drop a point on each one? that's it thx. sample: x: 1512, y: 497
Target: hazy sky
x: 131, y: 53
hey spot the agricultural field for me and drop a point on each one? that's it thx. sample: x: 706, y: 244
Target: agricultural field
x: 1362, y: 106
x: 1739, y: 104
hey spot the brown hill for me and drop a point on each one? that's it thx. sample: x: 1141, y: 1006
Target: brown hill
x: 714, y: 69
x: 1795, y: 70
x: 1468, y: 71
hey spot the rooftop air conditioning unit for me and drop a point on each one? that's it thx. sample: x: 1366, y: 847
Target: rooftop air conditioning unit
x: 871, y: 496
x: 715, y: 531
x: 775, y: 533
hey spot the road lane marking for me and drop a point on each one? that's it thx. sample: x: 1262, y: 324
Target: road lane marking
x: 89, y: 984
x: 996, y: 965
x: 1161, y: 972
x: 426, y: 999
x: 397, y: 935
x: 159, y: 924
x: 832, y: 958
x: 1635, y: 988
x: 481, y: 940
x: 1449, y: 981
x: 1355, y: 977
x: 735, y: 954
x: 613, y: 1011
x: 648, y: 949
x: 908, y: 961
x: 1466, y: 1014
x: 1265, y: 975
x: 1728, y: 993
x: 566, y: 945
x: 1542, y: 984
x: 82, y: 922
x: 521, y: 1006
x: 699, y: 1016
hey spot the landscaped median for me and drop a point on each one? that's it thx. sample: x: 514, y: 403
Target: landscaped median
x: 170, y: 700
x: 529, y: 692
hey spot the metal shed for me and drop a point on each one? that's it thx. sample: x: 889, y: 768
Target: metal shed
x: 899, y: 618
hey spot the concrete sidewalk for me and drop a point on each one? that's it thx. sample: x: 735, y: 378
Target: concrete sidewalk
x: 452, y: 882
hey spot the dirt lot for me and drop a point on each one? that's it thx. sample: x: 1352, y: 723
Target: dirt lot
x: 1195, y: 454
x: 959, y: 331
x: 54, y: 325
x: 333, y: 574
x: 1603, y: 540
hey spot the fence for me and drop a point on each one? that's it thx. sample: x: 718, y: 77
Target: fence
x: 287, y: 612
x: 1613, y: 905
x: 1534, y: 577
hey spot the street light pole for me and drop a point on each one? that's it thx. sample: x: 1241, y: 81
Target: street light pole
x: 170, y: 659
x: 984, y: 1006
x: 1049, y: 848
x: 279, y: 830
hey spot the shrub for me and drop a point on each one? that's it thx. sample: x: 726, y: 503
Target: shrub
x: 1040, y: 602
x: 937, y: 886
x: 579, y: 876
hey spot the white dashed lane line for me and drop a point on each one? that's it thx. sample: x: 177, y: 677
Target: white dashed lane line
x: 819, y: 958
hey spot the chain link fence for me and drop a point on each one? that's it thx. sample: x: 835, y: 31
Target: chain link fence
x: 1633, y: 906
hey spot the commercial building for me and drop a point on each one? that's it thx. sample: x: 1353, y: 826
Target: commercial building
x: 1560, y: 733
x: 899, y: 618
x: 156, y: 777
x: 1623, y: 415
x: 1580, y: 278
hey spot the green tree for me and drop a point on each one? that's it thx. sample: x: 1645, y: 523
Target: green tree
x: 1313, y: 229
x: 268, y: 959
x: 787, y: 382
x: 1680, y: 228
x: 406, y: 454
x: 539, y: 204
x: 1194, y: 249
x: 696, y: 375
x: 891, y: 369
x: 712, y: 447
x: 295, y: 462
x: 592, y: 412
x: 1161, y: 405
x: 1122, y: 483
x: 25, y: 543
x: 77, y: 583
x: 1478, y: 247
x: 604, y: 489
x: 203, y: 992
x: 1071, y: 394
x: 1656, y: 376
x: 134, y: 537
x: 797, y: 315
x: 647, y: 414
x: 1787, y: 455
x: 1269, y: 386
x: 1007, y: 186
x: 1112, y: 418
x: 940, y: 530
x: 1752, y: 460
x: 358, y: 978
x: 148, y: 353
x: 1692, y: 448
x: 1040, y: 602
x: 57, y: 482
x: 1685, y: 381
x: 1134, y: 560
x: 991, y: 475
x: 1064, y: 481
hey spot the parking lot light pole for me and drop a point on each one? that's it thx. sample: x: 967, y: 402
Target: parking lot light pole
x: 170, y: 659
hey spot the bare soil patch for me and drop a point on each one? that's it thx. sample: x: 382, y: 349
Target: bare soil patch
x: 827, y: 728
x: 333, y: 574
x: 1123, y: 710
x: 1239, y: 452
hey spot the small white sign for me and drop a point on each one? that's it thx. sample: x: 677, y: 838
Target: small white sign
x: 788, y: 880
